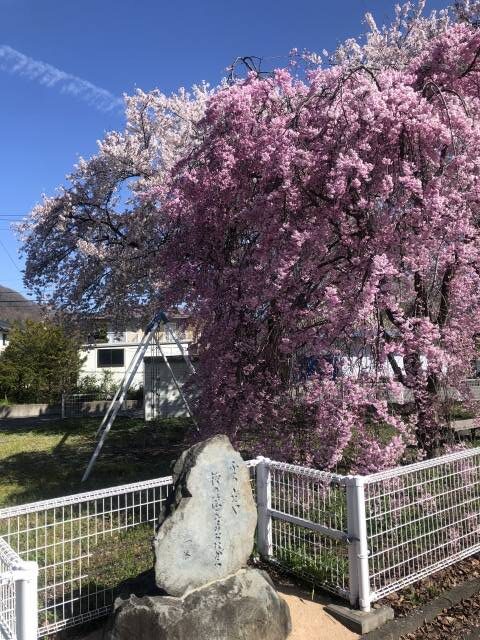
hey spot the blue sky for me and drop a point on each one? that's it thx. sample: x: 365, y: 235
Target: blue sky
x: 117, y: 46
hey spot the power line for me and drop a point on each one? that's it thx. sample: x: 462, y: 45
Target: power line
x: 8, y: 254
x: 13, y: 300
x: 31, y: 305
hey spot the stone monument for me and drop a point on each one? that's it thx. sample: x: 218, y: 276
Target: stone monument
x: 208, y: 529
x: 202, y: 545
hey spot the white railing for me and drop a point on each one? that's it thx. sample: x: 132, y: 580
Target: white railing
x: 361, y: 537
x: 77, y: 541
x: 18, y: 596
x: 473, y: 382
x: 303, y: 523
x: 421, y: 518
x: 366, y: 536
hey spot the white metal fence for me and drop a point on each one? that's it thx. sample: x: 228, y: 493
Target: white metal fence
x: 83, y: 405
x: 80, y: 405
x: 75, y: 541
x: 421, y: 518
x: 361, y: 537
x: 303, y: 522
x: 18, y: 595
x: 366, y: 536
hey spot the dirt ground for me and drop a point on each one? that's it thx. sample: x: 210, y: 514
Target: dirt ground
x: 310, y: 621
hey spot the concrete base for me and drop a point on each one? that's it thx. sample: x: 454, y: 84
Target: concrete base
x: 360, y: 621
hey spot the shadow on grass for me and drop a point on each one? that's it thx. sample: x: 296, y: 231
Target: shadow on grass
x: 134, y: 451
x: 52, y: 426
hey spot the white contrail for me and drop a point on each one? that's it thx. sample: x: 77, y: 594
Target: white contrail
x: 17, y: 63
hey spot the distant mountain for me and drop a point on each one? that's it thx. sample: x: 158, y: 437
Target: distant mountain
x: 14, y: 306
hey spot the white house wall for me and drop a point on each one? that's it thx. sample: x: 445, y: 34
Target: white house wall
x: 162, y: 399
x: 90, y: 366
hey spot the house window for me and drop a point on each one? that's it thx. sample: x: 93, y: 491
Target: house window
x: 110, y: 357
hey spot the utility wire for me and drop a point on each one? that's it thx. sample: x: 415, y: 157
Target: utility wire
x: 8, y: 254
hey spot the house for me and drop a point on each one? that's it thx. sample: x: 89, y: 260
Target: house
x: 112, y: 349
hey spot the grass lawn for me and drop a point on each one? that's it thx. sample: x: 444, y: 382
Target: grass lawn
x: 45, y: 459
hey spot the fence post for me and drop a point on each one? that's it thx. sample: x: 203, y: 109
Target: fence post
x: 26, y: 604
x: 358, y: 548
x: 264, y: 503
x: 352, y: 550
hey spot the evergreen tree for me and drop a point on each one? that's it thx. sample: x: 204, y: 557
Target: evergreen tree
x: 40, y: 363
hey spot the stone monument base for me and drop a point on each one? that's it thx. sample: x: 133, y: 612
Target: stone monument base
x: 242, y: 606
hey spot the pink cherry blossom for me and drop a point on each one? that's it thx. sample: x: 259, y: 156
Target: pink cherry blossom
x: 321, y: 229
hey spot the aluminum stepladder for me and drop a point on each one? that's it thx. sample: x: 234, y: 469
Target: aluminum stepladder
x: 121, y: 393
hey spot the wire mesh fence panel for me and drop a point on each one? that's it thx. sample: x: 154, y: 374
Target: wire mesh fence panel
x: 418, y: 519
x: 81, y: 405
x: 421, y: 518
x: 86, y: 546
x: 9, y: 560
x: 309, y: 525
